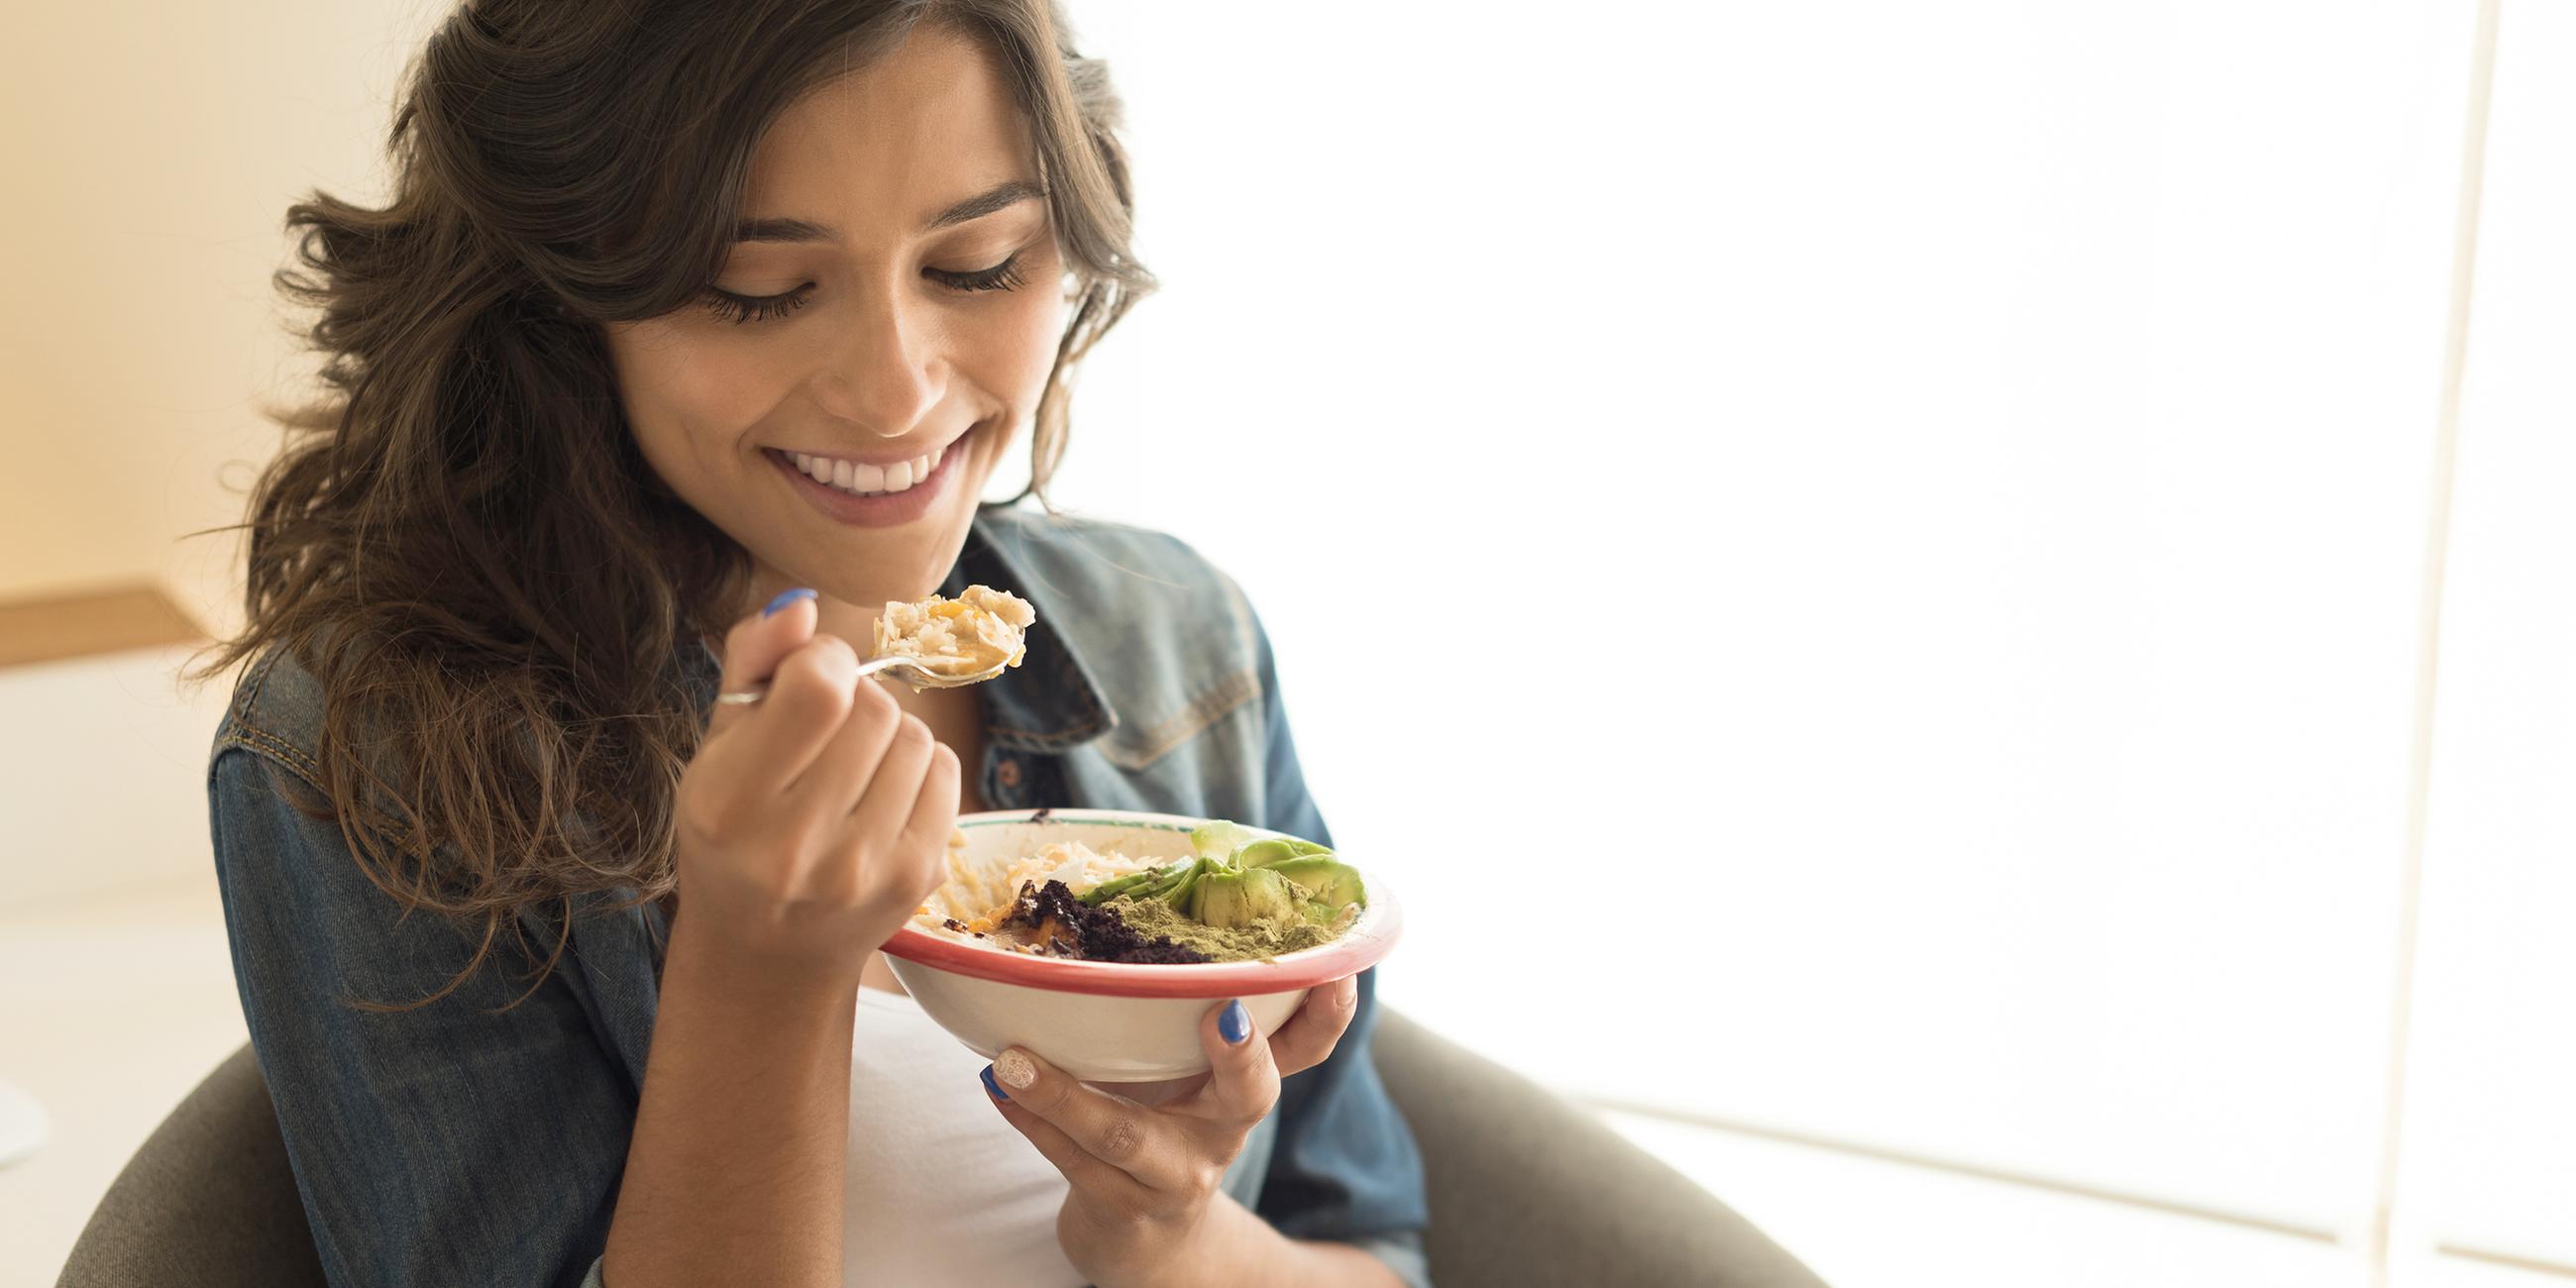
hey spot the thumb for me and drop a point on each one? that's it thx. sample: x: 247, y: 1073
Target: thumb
x: 756, y: 645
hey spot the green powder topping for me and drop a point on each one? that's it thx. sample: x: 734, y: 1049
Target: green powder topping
x: 1263, y: 939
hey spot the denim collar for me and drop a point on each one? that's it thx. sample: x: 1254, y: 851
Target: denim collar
x: 1048, y: 703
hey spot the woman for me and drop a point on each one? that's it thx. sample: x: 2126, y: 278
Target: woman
x: 692, y: 333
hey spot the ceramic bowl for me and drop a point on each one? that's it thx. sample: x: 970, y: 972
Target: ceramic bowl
x: 1108, y: 1021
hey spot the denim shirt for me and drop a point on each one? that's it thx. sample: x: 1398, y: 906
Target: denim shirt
x: 452, y: 1145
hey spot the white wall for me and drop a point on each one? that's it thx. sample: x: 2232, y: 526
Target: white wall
x: 2493, y: 1122
x: 1999, y: 439
x: 153, y: 149
x: 1996, y: 440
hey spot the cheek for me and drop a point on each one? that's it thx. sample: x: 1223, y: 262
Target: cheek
x: 1025, y: 354
x: 1015, y: 349
x: 687, y: 398
x: 1042, y: 330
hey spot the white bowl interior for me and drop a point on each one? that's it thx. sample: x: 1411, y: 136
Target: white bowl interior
x: 993, y: 843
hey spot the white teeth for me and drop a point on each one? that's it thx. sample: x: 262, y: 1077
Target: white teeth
x: 866, y: 479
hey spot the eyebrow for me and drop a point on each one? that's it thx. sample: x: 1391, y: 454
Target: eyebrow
x: 999, y: 197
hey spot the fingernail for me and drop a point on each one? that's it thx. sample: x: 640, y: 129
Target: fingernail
x: 1014, y: 1067
x: 786, y: 597
x: 1235, y: 1023
x: 994, y: 1087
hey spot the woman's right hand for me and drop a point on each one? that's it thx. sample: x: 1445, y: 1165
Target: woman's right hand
x: 813, y: 823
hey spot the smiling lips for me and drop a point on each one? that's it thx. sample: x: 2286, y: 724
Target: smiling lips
x: 862, y: 479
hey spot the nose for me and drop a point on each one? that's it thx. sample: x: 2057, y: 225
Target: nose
x: 882, y: 372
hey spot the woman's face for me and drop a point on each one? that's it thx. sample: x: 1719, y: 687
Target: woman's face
x: 890, y: 309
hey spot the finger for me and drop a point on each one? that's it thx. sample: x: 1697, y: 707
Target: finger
x: 756, y: 645
x: 1317, y: 1027
x: 934, y: 817
x: 1147, y: 1146
x: 1085, y: 1173
x: 1243, y: 1080
x: 809, y: 697
x: 1158, y: 1092
x: 830, y: 785
x: 878, y: 816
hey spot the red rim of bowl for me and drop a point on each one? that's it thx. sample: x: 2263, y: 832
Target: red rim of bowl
x: 1366, y: 943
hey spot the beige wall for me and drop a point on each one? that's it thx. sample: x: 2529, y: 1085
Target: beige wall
x: 151, y: 149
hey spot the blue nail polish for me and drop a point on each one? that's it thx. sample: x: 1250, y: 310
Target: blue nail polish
x: 1234, y: 1024
x: 786, y: 597
x: 992, y: 1088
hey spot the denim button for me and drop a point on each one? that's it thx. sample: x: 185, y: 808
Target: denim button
x: 1007, y: 773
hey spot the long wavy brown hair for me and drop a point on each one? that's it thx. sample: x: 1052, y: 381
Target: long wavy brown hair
x: 493, y: 616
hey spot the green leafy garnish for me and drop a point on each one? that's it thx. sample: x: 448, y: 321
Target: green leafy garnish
x: 1233, y: 879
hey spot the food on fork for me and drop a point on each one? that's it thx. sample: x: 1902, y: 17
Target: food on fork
x: 980, y: 630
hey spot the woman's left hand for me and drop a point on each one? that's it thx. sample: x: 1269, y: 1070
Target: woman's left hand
x: 1144, y: 1177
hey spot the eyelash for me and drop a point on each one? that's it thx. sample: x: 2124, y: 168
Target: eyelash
x: 1004, y: 276
x: 739, y: 309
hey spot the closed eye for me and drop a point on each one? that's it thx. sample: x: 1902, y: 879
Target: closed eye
x: 1004, y: 276
x: 738, y: 309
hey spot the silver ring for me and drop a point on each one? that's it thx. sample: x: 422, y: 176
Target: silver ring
x: 742, y: 699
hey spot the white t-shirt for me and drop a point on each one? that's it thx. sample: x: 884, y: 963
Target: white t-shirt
x: 940, y: 1189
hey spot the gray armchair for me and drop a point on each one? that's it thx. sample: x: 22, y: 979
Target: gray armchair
x: 1525, y: 1190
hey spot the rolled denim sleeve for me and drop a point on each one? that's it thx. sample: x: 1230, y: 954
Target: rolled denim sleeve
x: 1345, y: 1166
x: 455, y: 1143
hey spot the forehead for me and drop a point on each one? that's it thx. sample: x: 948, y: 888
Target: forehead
x: 893, y: 142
